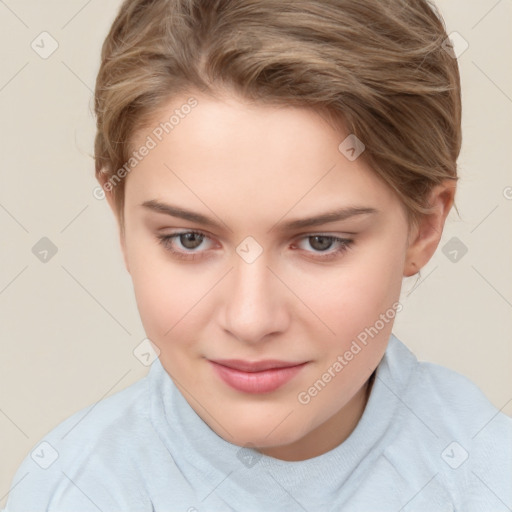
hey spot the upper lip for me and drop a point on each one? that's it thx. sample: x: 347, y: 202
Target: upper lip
x: 255, y: 366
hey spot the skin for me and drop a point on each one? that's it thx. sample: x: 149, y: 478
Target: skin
x: 251, y: 168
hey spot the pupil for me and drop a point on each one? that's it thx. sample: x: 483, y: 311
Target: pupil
x: 188, y: 242
x: 327, y: 242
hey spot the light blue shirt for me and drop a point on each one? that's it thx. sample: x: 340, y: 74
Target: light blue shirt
x: 428, y: 440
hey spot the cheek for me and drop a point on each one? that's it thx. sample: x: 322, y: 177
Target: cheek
x: 167, y: 296
x: 353, y: 297
x: 357, y: 304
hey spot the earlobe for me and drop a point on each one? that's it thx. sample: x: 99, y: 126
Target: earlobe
x: 410, y: 268
x: 426, y: 233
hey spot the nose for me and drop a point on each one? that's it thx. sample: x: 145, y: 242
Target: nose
x: 256, y: 303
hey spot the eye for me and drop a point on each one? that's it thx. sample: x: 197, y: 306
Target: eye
x: 184, y: 244
x: 322, y: 243
x: 189, y: 245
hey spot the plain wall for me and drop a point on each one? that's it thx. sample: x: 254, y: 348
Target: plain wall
x: 68, y: 326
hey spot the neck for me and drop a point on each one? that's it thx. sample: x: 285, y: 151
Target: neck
x: 329, y: 434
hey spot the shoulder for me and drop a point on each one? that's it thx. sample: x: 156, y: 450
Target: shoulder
x: 77, y: 464
x: 462, y: 408
x: 448, y: 400
x: 449, y: 423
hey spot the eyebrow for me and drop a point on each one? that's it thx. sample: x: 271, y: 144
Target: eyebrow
x: 323, y: 218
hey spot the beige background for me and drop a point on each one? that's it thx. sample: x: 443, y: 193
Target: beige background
x: 68, y: 326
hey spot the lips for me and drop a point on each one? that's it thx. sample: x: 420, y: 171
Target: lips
x: 256, y: 366
x: 256, y: 377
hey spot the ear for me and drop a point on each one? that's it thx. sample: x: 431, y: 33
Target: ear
x: 426, y: 233
x: 109, y: 196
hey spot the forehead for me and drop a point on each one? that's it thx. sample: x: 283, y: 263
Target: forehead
x: 249, y: 156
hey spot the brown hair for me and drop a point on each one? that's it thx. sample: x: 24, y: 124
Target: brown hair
x: 378, y: 67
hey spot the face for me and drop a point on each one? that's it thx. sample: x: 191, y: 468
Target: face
x: 260, y: 314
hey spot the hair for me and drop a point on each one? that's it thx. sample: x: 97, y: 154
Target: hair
x: 378, y: 67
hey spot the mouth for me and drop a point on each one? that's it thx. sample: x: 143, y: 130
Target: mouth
x: 256, y: 377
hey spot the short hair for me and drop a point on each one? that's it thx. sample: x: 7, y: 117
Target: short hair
x: 379, y: 68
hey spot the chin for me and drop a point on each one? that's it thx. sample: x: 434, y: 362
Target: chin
x: 258, y: 434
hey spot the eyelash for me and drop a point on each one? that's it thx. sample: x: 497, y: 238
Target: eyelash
x: 165, y: 241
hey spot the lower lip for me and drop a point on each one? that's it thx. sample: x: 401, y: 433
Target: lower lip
x: 256, y: 382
